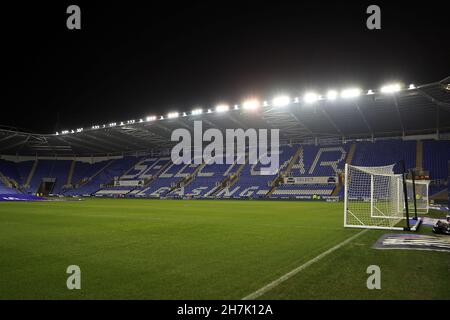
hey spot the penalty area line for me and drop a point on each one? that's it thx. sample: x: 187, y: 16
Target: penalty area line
x: 258, y: 293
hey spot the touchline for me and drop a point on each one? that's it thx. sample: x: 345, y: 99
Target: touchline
x: 232, y: 149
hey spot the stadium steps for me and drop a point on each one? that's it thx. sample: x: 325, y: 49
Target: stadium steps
x: 31, y: 174
x: 276, y: 182
x: 351, y: 154
x: 185, y: 181
x: 70, y: 175
x: 147, y: 185
x: 419, y: 155
x: 97, y: 173
x: 138, y: 160
x: 336, y: 190
x: 293, y: 161
x: 349, y: 160
x: 229, y: 181
x: 5, y: 180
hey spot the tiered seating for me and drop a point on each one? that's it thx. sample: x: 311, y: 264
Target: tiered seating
x: 253, y: 181
x: 436, y: 155
x: 173, y: 174
x: 7, y: 190
x: 314, y: 161
x: 159, y: 175
x: 115, y: 169
x: 381, y: 153
x: 23, y: 170
x: 85, y: 170
x: 207, y: 178
x: 320, y: 161
x: 60, y: 171
x: 9, y: 170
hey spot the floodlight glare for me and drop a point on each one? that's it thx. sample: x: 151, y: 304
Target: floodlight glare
x: 251, y: 104
x: 151, y: 118
x: 332, y: 95
x: 281, y: 101
x: 351, y: 93
x: 172, y: 115
x: 391, y: 88
x: 222, y: 108
x: 310, y: 97
x: 196, y: 112
x: 369, y: 92
x: 412, y: 86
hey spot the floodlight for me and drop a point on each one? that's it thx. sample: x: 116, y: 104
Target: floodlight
x: 151, y: 118
x: 412, y: 86
x: 184, y: 114
x: 310, y: 97
x: 222, y: 108
x: 251, y: 104
x: 351, y: 93
x: 391, y: 88
x: 172, y: 115
x: 265, y: 103
x: 281, y: 101
x: 209, y: 111
x: 196, y: 112
x: 370, y: 92
x: 332, y: 95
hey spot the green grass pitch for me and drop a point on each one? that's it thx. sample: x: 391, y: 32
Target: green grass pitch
x: 177, y: 249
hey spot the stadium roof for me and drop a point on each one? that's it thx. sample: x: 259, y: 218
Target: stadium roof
x: 412, y: 110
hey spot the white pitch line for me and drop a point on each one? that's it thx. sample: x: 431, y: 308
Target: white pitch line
x: 293, y: 272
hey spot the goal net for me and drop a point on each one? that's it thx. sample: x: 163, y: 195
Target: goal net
x: 421, y: 191
x: 374, y: 198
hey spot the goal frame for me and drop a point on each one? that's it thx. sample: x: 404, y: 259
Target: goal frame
x: 401, y: 188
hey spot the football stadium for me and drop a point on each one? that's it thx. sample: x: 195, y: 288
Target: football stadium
x: 220, y: 159
x: 355, y: 165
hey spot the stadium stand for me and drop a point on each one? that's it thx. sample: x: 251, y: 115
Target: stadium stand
x: 131, y: 158
x: 158, y: 177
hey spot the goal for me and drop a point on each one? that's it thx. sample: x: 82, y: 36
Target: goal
x: 419, y: 189
x: 375, y: 198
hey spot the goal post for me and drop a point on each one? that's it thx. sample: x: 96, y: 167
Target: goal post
x: 374, y: 197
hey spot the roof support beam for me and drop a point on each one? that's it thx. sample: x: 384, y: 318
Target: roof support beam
x: 85, y: 144
x: 399, y: 114
x: 364, y: 118
x: 335, y: 126
x: 10, y: 146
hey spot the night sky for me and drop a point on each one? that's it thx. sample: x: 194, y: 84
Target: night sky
x: 131, y: 60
